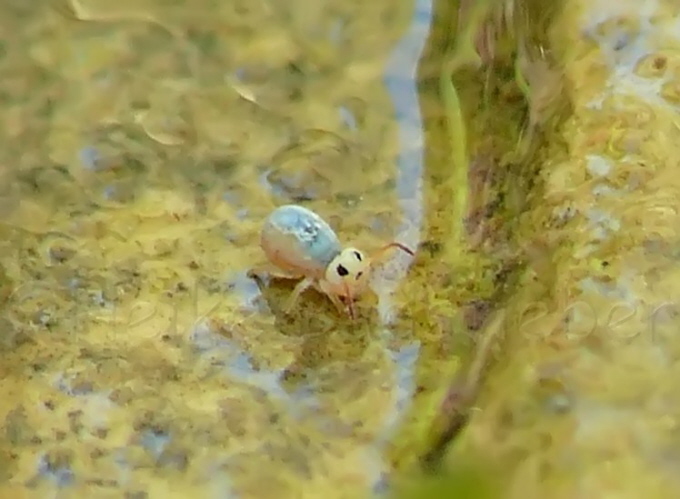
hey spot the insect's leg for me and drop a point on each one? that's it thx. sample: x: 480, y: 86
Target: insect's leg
x: 323, y: 287
x: 271, y: 271
x: 300, y: 287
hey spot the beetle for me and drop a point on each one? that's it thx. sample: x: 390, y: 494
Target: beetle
x: 301, y: 245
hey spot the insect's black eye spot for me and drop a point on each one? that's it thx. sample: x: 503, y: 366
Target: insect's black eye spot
x: 342, y: 271
x: 358, y: 255
x: 359, y: 274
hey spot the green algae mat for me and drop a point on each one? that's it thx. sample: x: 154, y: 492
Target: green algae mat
x: 527, y: 350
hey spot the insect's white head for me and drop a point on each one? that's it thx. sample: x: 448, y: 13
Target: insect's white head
x: 348, y: 274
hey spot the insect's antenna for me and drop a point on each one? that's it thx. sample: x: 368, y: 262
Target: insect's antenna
x: 378, y: 254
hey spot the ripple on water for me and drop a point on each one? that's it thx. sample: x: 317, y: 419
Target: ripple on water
x: 307, y: 168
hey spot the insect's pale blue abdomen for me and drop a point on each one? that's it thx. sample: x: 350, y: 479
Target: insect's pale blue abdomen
x: 297, y: 237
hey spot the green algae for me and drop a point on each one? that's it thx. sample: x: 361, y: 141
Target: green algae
x: 138, y: 358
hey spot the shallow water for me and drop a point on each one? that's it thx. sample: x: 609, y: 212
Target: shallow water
x: 143, y: 144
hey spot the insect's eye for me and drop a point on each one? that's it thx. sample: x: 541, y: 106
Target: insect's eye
x: 358, y: 255
x: 342, y: 270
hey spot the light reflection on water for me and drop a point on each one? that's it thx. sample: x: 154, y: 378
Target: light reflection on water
x: 401, y: 82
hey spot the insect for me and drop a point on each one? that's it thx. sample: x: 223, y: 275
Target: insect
x: 301, y: 245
